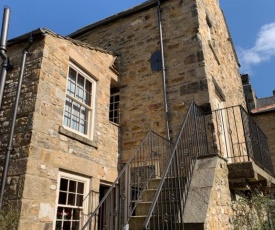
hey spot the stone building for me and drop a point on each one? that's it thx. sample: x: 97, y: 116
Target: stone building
x: 86, y: 115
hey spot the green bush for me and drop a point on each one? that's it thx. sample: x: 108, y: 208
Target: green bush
x: 255, y: 212
x: 9, y: 218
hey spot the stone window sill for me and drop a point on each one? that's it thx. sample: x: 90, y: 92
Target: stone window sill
x: 113, y: 123
x: 77, y: 137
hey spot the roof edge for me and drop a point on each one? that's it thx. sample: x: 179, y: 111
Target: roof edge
x: 43, y: 31
x: 143, y: 6
x: 25, y: 36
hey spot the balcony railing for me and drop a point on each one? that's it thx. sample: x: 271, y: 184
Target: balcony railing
x: 239, y: 139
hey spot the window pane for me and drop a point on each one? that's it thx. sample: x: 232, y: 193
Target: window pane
x: 72, y: 187
x: 79, y: 200
x: 80, y: 88
x: 88, y: 92
x: 76, y: 214
x: 80, y: 187
x: 62, y: 198
x: 67, y: 213
x: 58, y: 225
x: 71, y: 82
x: 66, y: 225
x: 59, y: 214
x: 63, y: 184
x: 75, y: 225
x: 71, y: 199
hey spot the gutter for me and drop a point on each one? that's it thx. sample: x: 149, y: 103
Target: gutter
x: 163, y: 73
x: 3, y: 51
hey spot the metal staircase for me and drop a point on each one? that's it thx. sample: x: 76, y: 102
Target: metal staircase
x: 151, y: 189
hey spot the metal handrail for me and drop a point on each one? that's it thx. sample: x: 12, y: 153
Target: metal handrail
x: 152, y: 150
x: 240, y: 139
x: 170, y: 198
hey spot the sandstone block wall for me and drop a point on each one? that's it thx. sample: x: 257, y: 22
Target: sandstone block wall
x: 135, y: 38
x: 193, y: 66
x: 24, y: 122
x: 266, y: 122
x: 44, y: 146
x: 221, y: 62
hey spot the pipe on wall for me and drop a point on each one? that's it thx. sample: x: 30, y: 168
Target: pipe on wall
x: 163, y: 75
x: 3, y: 51
x: 13, y: 121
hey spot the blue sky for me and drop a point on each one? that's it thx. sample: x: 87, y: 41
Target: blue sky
x: 251, y: 23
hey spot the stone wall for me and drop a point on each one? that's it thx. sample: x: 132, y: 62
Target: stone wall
x: 44, y: 144
x: 266, y: 122
x: 208, y: 204
x: 194, y: 67
x: 24, y: 122
x: 221, y: 62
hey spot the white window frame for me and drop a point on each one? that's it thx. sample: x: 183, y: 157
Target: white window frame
x: 91, y: 108
x: 85, y: 205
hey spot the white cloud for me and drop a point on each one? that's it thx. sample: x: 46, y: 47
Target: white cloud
x: 263, y: 50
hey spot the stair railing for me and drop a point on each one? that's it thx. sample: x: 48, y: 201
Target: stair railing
x: 167, y: 209
x: 119, y: 202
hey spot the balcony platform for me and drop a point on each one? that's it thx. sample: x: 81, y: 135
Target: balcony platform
x: 248, y: 175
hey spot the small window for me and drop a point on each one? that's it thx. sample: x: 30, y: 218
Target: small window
x: 114, y: 106
x: 72, y: 202
x: 79, y: 105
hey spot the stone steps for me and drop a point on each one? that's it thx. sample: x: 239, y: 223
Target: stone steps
x: 141, y: 211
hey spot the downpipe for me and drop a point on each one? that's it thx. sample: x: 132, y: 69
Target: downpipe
x: 3, y: 51
x: 163, y: 75
x: 13, y: 121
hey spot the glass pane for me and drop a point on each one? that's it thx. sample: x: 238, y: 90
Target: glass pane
x: 75, y: 225
x: 79, y: 200
x: 71, y: 199
x: 88, y: 92
x: 67, y: 213
x: 75, y: 123
x: 62, y: 198
x: 83, y: 113
x: 59, y: 213
x: 82, y: 127
x: 66, y: 225
x: 111, y: 106
x: 67, y: 119
x: 63, y: 184
x: 58, y: 225
x: 72, y: 187
x: 80, y: 88
x: 68, y: 109
x: 76, y: 109
x: 80, y: 187
x: 76, y: 214
x: 71, y: 82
